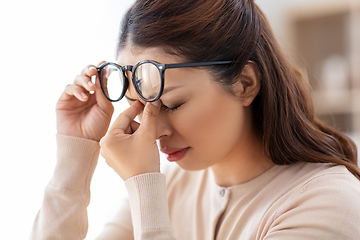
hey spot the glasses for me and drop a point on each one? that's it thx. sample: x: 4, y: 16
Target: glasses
x: 148, y: 78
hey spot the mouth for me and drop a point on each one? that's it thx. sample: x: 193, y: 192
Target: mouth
x: 174, y: 155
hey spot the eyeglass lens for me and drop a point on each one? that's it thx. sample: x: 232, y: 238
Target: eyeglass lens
x: 112, y: 82
x: 148, y: 80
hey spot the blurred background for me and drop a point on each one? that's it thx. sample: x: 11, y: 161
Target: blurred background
x: 45, y: 44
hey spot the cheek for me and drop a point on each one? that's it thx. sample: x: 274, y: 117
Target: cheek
x: 211, y: 126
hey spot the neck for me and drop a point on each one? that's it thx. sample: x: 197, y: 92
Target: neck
x: 246, y: 163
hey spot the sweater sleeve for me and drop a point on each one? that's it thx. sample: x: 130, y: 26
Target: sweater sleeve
x: 63, y: 214
x: 326, y: 207
x: 120, y: 226
x: 149, y: 207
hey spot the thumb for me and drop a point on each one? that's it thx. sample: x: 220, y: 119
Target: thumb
x: 149, y: 118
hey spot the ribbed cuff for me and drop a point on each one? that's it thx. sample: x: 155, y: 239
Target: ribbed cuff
x: 76, y: 162
x: 148, y: 202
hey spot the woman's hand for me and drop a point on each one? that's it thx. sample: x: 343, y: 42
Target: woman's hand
x: 130, y: 148
x: 81, y: 114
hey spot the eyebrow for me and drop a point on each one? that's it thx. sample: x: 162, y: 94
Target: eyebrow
x: 164, y: 92
x: 169, y: 89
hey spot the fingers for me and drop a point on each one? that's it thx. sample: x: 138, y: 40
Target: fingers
x: 83, y: 86
x: 132, y: 127
x: 149, y: 119
x: 90, y: 71
x: 130, y: 148
x: 72, y: 90
x: 123, y: 123
x: 85, y: 82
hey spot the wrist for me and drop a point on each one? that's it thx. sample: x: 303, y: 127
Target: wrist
x: 76, y: 162
x: 148, y: 202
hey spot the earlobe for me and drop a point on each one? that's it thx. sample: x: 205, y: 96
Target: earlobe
x: 250, y: 83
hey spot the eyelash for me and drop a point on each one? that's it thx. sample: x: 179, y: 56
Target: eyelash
x: 170, y: 110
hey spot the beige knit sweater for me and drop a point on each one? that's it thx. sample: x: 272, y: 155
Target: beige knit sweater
x: 300, y: 201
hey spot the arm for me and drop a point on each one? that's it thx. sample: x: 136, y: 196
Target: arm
x: 63, y: 214
x: 149, y: 211
x: 131, y: 150
x: 149, y: 206
x: 82, y: 120
x: 120, y: 227
x: 64, y: 210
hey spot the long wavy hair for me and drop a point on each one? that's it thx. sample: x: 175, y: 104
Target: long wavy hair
x: 212, y: 30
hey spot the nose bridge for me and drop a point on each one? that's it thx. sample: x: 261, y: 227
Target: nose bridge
x: 163, y: 127
x: 128, y: 72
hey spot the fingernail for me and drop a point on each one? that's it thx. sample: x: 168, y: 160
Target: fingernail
x: 90, y: 83
x: 84, y: 95
x: 92, y: 67
x: 156, y: 103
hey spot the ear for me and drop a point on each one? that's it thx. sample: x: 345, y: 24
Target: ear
x: 249, y: 84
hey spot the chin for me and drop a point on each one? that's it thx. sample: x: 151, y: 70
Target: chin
x: 191, y: 166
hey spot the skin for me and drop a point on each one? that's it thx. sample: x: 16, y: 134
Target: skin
x: 81, y: 114
x: 196, y: 114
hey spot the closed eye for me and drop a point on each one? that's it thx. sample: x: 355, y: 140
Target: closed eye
x: 166, y: 108
x: 170, y: 110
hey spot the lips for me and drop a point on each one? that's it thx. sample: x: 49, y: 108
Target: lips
x: 175, y: 154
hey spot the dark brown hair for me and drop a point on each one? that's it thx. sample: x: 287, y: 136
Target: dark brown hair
x: 212, y: 30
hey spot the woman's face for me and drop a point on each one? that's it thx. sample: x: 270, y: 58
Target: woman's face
x: 199, y: 124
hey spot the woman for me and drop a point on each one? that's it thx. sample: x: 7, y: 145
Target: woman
x: 252, y: 160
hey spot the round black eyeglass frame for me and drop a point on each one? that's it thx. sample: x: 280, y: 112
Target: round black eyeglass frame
x: 161, y: 67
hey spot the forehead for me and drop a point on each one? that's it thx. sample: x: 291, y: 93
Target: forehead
x: 130, y: 55
x: 187, y: 79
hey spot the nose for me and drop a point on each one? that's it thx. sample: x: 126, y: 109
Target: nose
x: 163, y: 127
